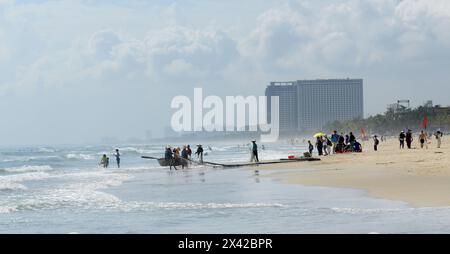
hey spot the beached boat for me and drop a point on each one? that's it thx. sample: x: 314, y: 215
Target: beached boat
x: 173, y: 162
x: 182, y: 162
x: 167, y: 163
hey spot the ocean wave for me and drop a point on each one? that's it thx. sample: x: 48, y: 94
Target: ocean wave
x: 364, y: 210
x: 81, y: 195
x: 14, y: 182
x: 7, y: 209
x: 106, y: 181
x: 46, y: 150
x: 135, y: 205
x: 140, y: 150
x: 86, y: 194
x: 79, y: 156
x: 27, y: 168
x: 32, y: 158
x: 25, y: 177
x: 68, y: 198
x: 97, y: 200
x: 11, y: 186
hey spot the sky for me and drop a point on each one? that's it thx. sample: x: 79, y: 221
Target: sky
x: 80, y: 70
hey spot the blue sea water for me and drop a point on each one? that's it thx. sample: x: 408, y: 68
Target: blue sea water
x: 62, y: 189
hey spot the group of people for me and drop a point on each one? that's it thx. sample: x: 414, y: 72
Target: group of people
x: 104, y: 161
x: 423, y: 139
x: 178, y: 156
x: 337, y: 143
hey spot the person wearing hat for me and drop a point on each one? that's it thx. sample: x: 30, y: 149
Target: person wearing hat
x: 376, y: 142
x: 254, y: 151
x: 199, y: 152
x: 401, y: 138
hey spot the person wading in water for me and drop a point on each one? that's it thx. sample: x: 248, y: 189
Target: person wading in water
x: 254, y: 151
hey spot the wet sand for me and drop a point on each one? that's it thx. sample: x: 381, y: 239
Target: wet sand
x: 420, y: 177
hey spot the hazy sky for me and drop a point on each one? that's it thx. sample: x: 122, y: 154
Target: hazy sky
x: 76, y: 71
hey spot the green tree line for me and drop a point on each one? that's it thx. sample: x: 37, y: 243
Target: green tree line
x: 392, y: 122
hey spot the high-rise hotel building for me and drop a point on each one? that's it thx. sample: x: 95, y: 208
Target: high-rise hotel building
x: 308, y: 105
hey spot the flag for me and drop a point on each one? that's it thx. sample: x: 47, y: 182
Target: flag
x: 425, y: 122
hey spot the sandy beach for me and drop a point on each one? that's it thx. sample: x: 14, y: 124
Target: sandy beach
x: 420, y: 177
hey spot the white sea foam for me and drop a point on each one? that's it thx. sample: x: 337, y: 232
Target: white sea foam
x: 7, y: 209
x: 6, y: 185
x: 27, y: 168
x: 46, y: 150
x: 25, y: 177
x: 79, y: 156
x: 105, y: 181
x: 83, y: 194
x: 365, y: 210
x: 86, y: 194
x: 139, y: 150
x: 31, y: 158
x: 14, y: 182
x: 192, y: 206
x: 67, y: 198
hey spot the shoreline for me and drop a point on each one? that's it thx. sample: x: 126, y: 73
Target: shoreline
x: 419, y: 177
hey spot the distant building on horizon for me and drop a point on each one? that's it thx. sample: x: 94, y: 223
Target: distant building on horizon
x: 308, y: 105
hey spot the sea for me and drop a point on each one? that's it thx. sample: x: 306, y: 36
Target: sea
x: 62, y: 189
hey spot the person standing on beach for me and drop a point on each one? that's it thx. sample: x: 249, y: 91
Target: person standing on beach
x: 319, y: 146
x: 438, y: 136
x: 423, y: 140
x: 310, y: 147
x: 409, y: 139
x: 401, y: 138
x: 341, y: 143
x: 189, y: 151
x: 184, y: 156
x: 327, y: 145
x: 352, y: 139
x: 117, y: 154
x: 334, y: 140
x: 324, y: 145
x: 376, y: 142
x: 199, y: 153
x: 255, y: 151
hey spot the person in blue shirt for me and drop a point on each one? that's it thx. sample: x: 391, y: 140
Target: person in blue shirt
x: 357, y: 147
x: 334, y: 140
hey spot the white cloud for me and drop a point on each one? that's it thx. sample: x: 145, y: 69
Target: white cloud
x: 128, y: 50
x: 350, y: 34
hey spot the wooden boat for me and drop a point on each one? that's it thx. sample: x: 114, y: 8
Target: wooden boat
x: 173, y: 162
x: 180, y: 162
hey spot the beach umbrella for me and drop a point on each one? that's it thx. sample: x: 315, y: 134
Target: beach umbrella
x: 319, y: 134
